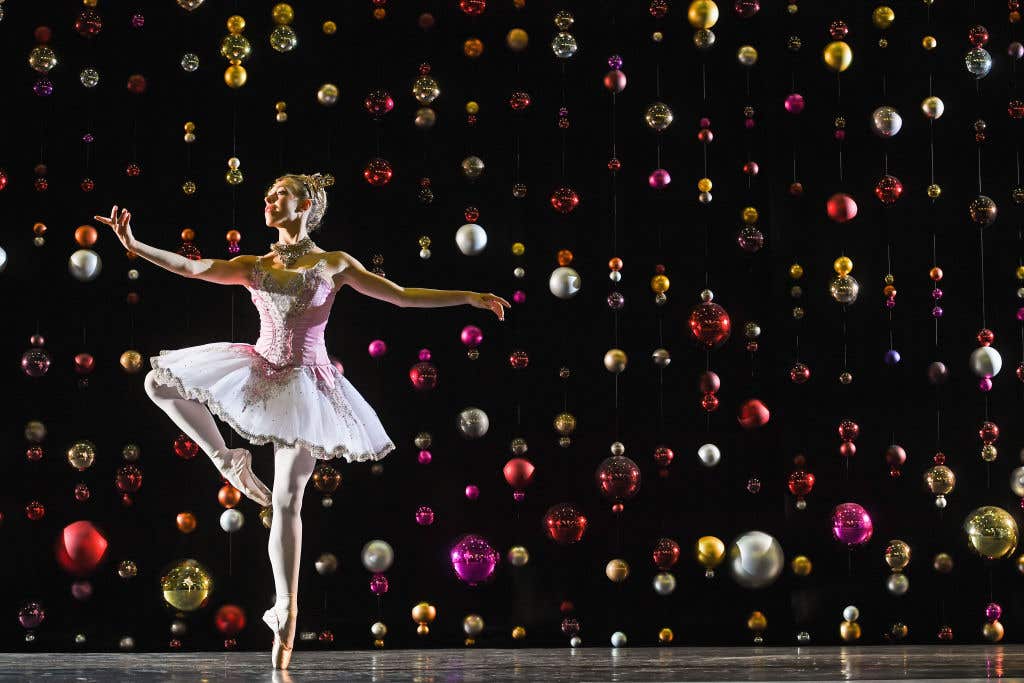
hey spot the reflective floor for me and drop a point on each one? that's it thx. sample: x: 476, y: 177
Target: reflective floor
x: 967, y: 662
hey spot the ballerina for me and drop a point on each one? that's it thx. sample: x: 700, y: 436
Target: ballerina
x: 283, y: 389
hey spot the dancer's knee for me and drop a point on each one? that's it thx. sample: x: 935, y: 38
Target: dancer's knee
x: 286, y: 500
x: 157, y: 391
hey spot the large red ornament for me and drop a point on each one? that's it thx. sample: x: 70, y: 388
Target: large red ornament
x: 618, y: 478
x: 710, y: 324
x: 841, y: 207
x: 666, y: 554
x: 229, y: 620
x: 80, y: 548
x: 564, y: 200
x: 753, y: 414
x: 888, y: 189
x: 800, y: 483
x: 563, y: 523
x: 185, y: 448
x: 378, y: 172
x: 518, y: 473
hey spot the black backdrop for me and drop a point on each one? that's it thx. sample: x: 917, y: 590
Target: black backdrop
x: 667, y: 227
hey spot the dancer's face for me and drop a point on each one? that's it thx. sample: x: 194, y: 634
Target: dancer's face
x: 281, y: 205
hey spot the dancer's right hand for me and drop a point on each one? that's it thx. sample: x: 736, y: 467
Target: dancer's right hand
x: 121, y: 225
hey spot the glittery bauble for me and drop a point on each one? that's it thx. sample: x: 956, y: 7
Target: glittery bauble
x: 564, y: 524
x: 978, y: 62
x: 42, y: 58
x: 283, y: 38
x: 235, y: 48
x: 844, y: 289
x: 564, y: 45
x: 378, y: 172
x: 186, y: 585
x: 564, y: 200
x: 888, y: 189
x: 89, y: 77
x: 982, y: 211
x: 851, y: 524
x: 710, y: 324
x: 618, y: 478
x: 991, y: 532
x: 425, y: 89
x: 658, y: 116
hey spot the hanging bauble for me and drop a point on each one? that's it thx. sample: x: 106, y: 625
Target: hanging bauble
x: 564, y: 200
x: 888, y: 189
x: 982, y: 211
x: 658, y: 116
x: 978, y: 62
x: 841, y: 207
x: 378, y: 172
x: 838, y: 56
x: 886, y: 121
x: 710, y: 324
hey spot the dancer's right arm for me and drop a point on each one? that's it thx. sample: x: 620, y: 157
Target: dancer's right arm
x: 233, y: 272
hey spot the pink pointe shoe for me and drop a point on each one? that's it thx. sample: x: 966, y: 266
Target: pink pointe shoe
x: 277, y: 619
x: 235, y: 465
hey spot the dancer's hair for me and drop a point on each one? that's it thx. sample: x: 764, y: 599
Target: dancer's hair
x: 310, y: 187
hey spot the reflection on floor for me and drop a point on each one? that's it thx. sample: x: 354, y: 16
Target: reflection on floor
x: 588, y: 663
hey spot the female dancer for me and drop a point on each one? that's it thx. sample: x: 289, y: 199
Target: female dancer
x: 284, y: 389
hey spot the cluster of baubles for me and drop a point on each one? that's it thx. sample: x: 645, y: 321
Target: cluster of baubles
x: 236, y: 49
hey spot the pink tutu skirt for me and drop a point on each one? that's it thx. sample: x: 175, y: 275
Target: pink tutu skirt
x: 314, y: 406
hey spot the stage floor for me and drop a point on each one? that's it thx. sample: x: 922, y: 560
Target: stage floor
x: 592, y: 663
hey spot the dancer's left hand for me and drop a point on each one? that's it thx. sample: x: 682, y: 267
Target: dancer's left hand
x: 488, y: 300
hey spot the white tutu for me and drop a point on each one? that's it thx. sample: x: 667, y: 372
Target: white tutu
x: 314, y: 406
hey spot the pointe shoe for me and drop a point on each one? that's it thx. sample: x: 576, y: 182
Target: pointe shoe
x: 281, y: 653
x: 235, y: 465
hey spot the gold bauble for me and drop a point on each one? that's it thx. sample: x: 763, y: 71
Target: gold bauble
x: 267, y: 516
x: 710, y: 551
x: 518, y: 633
x: 702, y: 13
x: 802, y: 565
x: 615, y: 360
x: 82, y: 455
x: 186, y: 585
x: 235, y: 76
x: 282, y: 13
x: 940, y: 480
x: 897, y: 555
x: 517, y: 40
x: 425, y: 89
x: 991, y: 532
x: 747, y: 55
x: 750, y: 215
x: 838, y: 56
x: 1020, y: 563
x: 565, y: 423
x: 617, y: 570
x: 472, y: 624
x: 757, y: 622
x: 422, y: 630
x: 660, y: 284
x: 327, y: 94
x: 665, y: 635
x: 131, y: 361
x: 843, y: 265
x: 423, y: 612
x: 518, y: 556
x: 932, y: 107
x: 989, y: 452
x: 943, y: 563
x: 472, y: 107
x: 658, y: 116
x: 992, y: 631
x: 796, y: 271
x: 518, y: 249
x: 236, y: 24
x: 329, y: 28
x: 704, y: 185
x: 934, y: 191
x: 849, y: 631
x: 883, y: 17
x: 929, y: 42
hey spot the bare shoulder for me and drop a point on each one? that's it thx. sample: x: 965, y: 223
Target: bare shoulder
x: 342, y: 260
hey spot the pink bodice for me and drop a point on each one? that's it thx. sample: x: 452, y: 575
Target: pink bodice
x: 293, y: 315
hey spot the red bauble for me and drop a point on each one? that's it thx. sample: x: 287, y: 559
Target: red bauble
x: 663, y: 456
x: 615, y: 81
x: 230, y: 620
x: 3, y: 180
x: 799, y: 373
x: 753, y: 414
x: 847, y: 449
x: 709, y: 402
x: 80, y: 548
x: 473, y: 7
x: 423, y: 376
x: 185, y: 448
x: 519, y: 100
x: 800, y: 482
x: 564, y: 200
x: 710, y: 324
x: 895, y: 456
x: 618, y: 478
x: 518, y: 473
x: 710, y: 382
x: 666, y: 554
x: 564, y: 523
x: 88, y: 23
x: 848, y: 430
x: 128, y: 479
x: 379, y: 102
x: 378, y: 172
x: 888, y: 189
x: 841, y: 207
x: 84, y: 363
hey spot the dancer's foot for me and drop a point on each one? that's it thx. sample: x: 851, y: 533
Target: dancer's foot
x: 235, y: 464
x: 281, y: 621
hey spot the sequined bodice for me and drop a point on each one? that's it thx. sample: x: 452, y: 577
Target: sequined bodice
x: 293, y: 314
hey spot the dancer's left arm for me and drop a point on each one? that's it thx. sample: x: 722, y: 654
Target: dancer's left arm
x: 351, y: 272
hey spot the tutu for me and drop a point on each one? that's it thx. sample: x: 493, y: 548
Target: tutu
x: 282, y: 389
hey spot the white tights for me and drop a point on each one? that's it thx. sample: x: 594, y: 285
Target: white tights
x: 292, y: 470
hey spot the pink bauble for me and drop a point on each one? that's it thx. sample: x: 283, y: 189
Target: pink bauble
x: 424, y: 355
x: 795, y: 103
x: 472, y: 492
x: 424, y: 457
x: 659, y: 179
x: 377, y: 348
x: 472, y: 336
x: 519, y: 297
x: 851, y: 524
x: 473, y: 559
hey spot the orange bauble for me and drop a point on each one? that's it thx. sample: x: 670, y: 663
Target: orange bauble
x: 229, y: 496
x: 85, y: 235
x: 186, y: 522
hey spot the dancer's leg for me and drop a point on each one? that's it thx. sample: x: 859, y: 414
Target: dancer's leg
x: 192, y: 417
x: 292, y: 470
x: 196, y: 420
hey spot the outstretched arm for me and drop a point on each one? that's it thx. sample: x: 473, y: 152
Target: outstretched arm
x: 233, y: 272
x: 363, y: 281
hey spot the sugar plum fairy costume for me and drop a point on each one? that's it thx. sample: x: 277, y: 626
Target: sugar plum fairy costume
x: 284, y: 388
